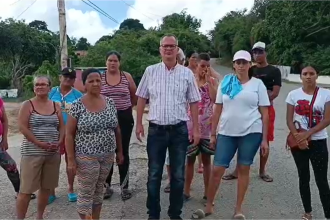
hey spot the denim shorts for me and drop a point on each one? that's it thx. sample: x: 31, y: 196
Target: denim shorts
x: 246, y: 146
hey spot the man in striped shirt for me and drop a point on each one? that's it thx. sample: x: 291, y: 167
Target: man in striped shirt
x: 169, y: 87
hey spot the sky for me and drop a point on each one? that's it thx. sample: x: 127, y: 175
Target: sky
x: 84, y: 21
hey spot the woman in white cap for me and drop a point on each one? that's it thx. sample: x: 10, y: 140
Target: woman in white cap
x: 242, y: 107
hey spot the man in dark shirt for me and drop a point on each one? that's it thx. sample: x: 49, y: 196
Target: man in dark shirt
x: 271, y: 77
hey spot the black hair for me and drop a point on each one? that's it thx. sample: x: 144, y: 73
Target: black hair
x: 310, y: 66
x: 204, y: 56
x: 86, y: 73
x: 113, y: 52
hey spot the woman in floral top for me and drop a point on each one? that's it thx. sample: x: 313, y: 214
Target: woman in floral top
x: 208, y: 90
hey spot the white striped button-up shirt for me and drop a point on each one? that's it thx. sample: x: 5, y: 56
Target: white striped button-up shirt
x: 168, y: 92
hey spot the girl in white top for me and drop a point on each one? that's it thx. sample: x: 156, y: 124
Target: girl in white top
x: 299, y: 103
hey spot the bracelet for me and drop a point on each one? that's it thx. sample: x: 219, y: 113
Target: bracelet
x: 213, y: 135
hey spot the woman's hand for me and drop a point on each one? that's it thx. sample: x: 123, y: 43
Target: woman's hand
x: 119, y: 158
x: 213, y: 141
x: 72, y: 167
x: 264, y: 148
x: 302, y: 136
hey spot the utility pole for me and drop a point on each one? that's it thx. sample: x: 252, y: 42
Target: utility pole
x: 63, y: 35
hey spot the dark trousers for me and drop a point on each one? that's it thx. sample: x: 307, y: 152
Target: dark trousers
x: 126, y: 123
x: 9, y: 165
x: 175, y: 138
x: 319, y: 157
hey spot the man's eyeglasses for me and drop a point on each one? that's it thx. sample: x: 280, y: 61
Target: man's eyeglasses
x: 169, y: 47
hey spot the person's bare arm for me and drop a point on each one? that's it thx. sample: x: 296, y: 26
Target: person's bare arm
x: 23, y: 123
x: 277, y: 76
x: 5, y: 124
x: 194, y: 114
x: 61, y: 127
x: 217, y: 110
x: 289, y: 118
x: 141, y: 104
x: 325, y: 121
x: 70, y: 134
x: 265, y: 121
x: 132, y: 88
x: 213, y: 89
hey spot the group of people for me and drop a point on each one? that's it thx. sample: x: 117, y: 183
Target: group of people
x: 193, y: 113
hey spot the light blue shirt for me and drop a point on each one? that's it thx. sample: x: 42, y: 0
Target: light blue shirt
x: 64, y: 101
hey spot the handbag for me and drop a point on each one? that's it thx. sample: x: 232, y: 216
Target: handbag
x: 291, y: 141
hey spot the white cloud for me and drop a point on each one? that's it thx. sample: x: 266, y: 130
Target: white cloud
x: 150, y: 12
x: 79, y: 24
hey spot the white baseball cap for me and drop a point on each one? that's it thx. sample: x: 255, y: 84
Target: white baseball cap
x: 242, y: 55
x: 259, y: 45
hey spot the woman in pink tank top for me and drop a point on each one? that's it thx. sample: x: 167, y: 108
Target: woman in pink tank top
x: 208, y: 90
x: 120, y: 86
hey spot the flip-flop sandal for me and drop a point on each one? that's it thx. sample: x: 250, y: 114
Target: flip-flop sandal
x: 108, y: 193
x: 72, y: 197
x: 205, y: 201
x: 33, y: 196
x: 51, y: 199
x: 126, y: 194
x: 229, y: 177
x: 200, y: 214
x: 239, y: 216
x: 266, y: 178
x: 167, y: 188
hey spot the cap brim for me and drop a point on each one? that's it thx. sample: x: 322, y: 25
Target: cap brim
x: 241, y: 58
x: 258, y: 48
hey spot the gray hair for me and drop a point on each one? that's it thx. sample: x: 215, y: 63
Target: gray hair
x: 181, y: 54
x: 169, y: 35
x: 35, y: 78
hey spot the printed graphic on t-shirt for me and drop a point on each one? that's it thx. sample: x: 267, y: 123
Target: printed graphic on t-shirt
x: 302, y: 108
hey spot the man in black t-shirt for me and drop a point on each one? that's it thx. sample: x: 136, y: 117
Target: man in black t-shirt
x: 271, y: 77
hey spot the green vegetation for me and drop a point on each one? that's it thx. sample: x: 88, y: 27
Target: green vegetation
x: 296, y: 33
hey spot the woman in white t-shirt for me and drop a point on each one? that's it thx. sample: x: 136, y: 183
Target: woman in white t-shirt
x: 242, y: 107
x: 299, y: 103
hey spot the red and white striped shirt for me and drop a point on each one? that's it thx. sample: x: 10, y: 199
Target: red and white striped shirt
x: 168, y: 92
x: 120, y: 93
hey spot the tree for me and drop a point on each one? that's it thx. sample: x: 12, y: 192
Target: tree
x: 23, y: 49
x: 131, y: 24
x: 39, y: 25
x: 181, y: 21
x: 82, y: 44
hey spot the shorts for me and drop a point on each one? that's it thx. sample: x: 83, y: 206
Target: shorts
x: 246, y: 147
x: 39, y: 172
x: 271, y: 125
x: 203, y: 147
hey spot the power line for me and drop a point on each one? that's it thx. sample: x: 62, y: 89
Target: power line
x: 137, y: 10
x: 14, y: 3
x: 99, y: 10
x: 26, y: 9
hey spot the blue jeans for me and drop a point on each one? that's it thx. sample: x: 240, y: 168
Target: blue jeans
x: 175, y: 138
x: 246, y: 146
